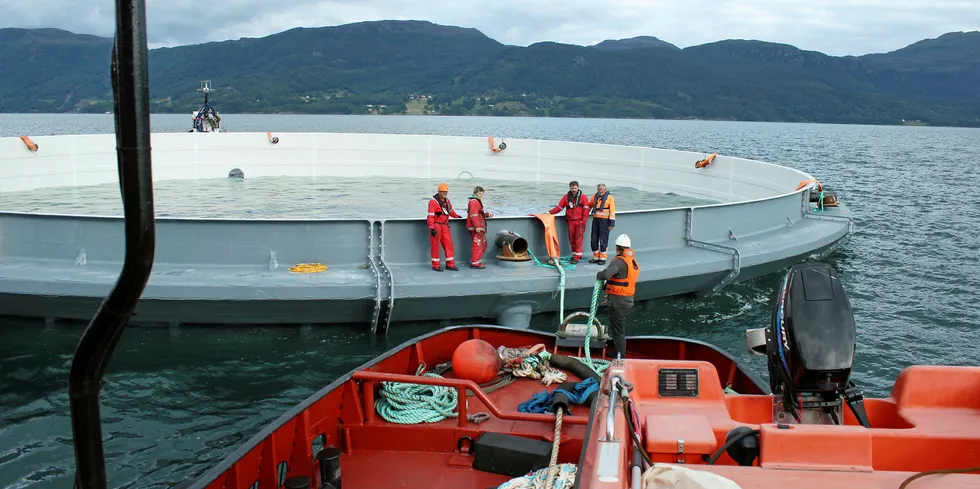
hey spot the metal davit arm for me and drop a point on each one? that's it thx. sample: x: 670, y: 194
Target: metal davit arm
x: 130, y: 85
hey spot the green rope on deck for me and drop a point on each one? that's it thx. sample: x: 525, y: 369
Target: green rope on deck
x: 416, y: 403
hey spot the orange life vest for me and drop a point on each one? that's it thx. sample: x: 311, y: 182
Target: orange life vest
x: 625, y: 286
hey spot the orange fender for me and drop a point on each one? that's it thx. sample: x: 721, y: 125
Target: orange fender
x: 705, y: 162
x: 804, y: 183
x: 272, y: 139
x: 551, y: 242
x: 496, y: 149
x: 31, y: 145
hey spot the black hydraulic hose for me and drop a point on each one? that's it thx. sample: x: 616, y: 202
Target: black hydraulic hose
x: 130, y: 85
x: 574, y: 366
x: 730, y: 442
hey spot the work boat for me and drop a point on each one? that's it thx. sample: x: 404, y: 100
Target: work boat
x: 484, y: 406
x: 541, y: 412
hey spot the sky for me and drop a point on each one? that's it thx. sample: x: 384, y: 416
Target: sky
x: 835, y: 27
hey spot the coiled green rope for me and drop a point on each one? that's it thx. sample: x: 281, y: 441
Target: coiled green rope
x: 416, y: 403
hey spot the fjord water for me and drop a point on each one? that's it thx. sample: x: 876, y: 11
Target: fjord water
x: 177, y: 401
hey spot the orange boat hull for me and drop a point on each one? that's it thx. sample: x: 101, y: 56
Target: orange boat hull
x: 916, y: 429
x: 379, y: 454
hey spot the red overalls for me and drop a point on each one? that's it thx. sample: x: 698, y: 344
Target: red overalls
x: 476, y: 224
x: 438, y: 219
x: 576, y: 214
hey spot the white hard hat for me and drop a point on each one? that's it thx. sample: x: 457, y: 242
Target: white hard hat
x: 624, y: 241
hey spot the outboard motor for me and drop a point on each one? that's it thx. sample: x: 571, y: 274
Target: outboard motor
x: 810, y: 349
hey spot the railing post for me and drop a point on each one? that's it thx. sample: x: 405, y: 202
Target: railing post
x: 369, y: 413
x: 461, y: 407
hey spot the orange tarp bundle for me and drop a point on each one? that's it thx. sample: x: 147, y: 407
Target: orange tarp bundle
x: 550, y: 235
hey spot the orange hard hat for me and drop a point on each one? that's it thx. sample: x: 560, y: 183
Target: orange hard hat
x: 443, y: 187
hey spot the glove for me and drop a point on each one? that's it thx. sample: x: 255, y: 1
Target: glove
x: 432, y: 232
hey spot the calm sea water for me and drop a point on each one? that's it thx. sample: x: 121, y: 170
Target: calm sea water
x: 177, y: 401
x: 320, y: 198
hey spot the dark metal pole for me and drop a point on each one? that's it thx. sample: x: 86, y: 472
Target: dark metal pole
x: 130, y: 85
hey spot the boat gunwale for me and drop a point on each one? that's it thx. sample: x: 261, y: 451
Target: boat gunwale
x: 232, y: 458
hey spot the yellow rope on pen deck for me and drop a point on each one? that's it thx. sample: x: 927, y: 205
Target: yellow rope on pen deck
x: 308, y: 268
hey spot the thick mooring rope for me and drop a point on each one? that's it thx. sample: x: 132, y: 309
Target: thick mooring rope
x: 596, y: 290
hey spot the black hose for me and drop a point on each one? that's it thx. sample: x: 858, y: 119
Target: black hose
x: 130, y: 85
x: 730, y: 442
x: 574, y: 366
x: 630, y: 423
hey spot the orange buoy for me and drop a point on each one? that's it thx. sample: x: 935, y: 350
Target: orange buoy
x: 476, y: 360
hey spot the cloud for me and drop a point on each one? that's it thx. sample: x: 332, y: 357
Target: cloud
x: 836, y: 27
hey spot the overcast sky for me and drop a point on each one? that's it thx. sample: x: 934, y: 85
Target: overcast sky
x: 836, y: 27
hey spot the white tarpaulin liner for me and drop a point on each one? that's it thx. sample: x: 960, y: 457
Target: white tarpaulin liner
x: 668, y: 476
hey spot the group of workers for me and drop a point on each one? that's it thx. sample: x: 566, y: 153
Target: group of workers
x: 620, y: 276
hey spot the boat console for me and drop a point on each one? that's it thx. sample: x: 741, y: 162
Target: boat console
x: 809, y: 348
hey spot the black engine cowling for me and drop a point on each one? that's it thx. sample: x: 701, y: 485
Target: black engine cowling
x: 813, y: 330
x: 810, y: 343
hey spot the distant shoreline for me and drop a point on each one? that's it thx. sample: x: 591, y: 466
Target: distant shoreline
x: 693, y: 119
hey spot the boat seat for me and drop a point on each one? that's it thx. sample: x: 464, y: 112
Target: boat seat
x: 679, y: 438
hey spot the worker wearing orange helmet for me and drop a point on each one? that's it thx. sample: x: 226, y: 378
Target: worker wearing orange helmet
x: 440, y: 210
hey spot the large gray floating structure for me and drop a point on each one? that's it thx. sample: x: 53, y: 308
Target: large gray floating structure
x: 236, y: 271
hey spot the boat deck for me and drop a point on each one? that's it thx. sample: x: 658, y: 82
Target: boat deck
x: 410, y: 454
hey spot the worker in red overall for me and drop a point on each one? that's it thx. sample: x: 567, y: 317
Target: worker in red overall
x: 476, y: 224
x: 576, y: 206
x: 440, y: 210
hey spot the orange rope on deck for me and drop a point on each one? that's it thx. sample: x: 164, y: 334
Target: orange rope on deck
x: 272, y: 139
x: 31, y: 145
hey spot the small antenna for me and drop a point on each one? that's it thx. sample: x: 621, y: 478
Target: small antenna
x: 205, y: 86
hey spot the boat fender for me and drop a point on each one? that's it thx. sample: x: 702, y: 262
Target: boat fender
x: 329, y: 459
x: 31, y: 145
x: 574, y: 366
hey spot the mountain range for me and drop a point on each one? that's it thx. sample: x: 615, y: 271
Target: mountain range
x: 420, y: 67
